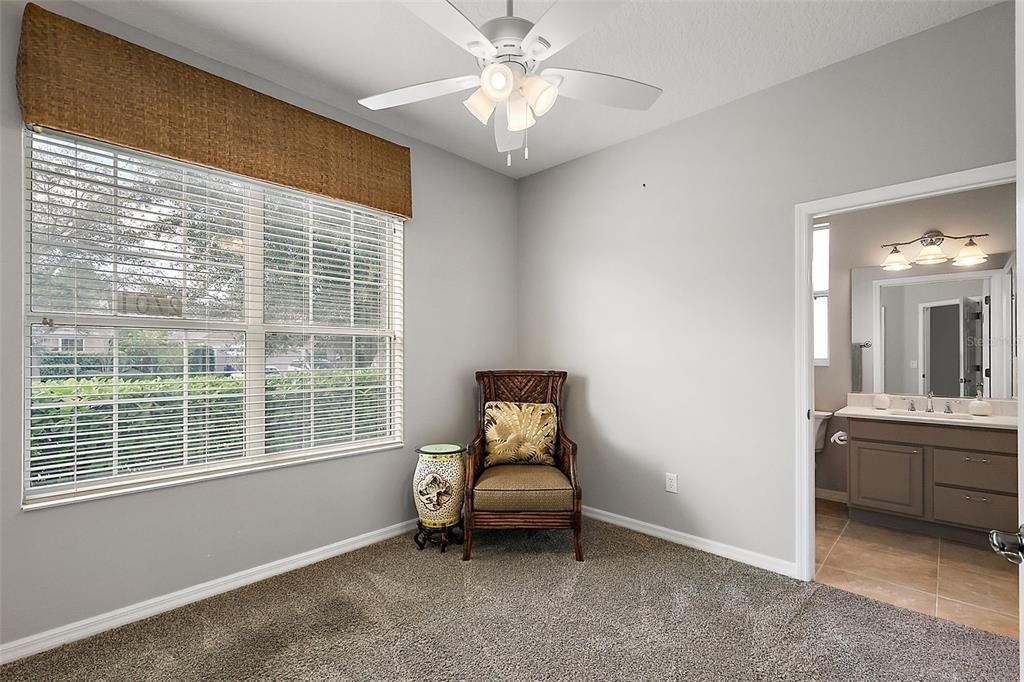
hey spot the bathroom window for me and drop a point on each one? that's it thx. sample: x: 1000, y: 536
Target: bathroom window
x: 819, y: 283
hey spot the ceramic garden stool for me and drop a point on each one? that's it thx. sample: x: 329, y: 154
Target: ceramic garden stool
x: 438, y: 487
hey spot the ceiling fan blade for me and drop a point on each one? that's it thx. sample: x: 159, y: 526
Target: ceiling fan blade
x: 601, y: 88
x: 447, y: 20
x: 420, y: 92
x: 563, y: 23
x: 507, y: 140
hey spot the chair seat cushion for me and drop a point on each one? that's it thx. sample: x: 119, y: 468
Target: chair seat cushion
x: 511, y: 487
x: 520, y: 433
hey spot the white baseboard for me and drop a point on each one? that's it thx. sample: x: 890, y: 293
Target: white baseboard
x: 87, y: 627
x: 831, y: 495
x: 769, y: 563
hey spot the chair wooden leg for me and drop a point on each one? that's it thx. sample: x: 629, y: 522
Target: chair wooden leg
x: 577, y: 542
x: 467, y: 542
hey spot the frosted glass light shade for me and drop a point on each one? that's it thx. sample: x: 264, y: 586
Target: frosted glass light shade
x: 970, y: 254
x: 931, y: 255
x: 895, y: 261
x: 540, y: 94
x: 497, y: 82
x: 519, y: 115
x: 480, y: 105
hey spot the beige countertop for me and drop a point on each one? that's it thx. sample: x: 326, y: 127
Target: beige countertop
x: 937, y: 418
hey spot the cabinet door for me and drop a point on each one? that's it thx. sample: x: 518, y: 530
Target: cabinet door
x: 887, y: 477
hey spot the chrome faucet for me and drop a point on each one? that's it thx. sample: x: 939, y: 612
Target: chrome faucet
x: 929, y: 407
x: 913, y: 407
x: 949, y: 407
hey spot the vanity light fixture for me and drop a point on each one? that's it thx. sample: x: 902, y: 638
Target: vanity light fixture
x: 932, y: 253
x: 970, y: 254
x: 896, y: 261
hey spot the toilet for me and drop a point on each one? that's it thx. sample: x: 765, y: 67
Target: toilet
x: 820, y: 429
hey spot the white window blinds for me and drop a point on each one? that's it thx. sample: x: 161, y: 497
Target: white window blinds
x: 183, y: 322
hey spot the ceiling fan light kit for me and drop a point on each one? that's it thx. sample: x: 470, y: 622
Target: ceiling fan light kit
x: 509, y: 51
x: 519, y: 115
x: 480, y: 105
x: 932, y: 254
x: 540, y: 94
x: 497, y: 81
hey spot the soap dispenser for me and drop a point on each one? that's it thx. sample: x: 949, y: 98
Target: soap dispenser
x: 980, y: 407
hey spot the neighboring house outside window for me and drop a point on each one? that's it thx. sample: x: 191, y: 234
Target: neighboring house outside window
x: 72, y: 345
x: 215, y: 324
x: 819, y: 283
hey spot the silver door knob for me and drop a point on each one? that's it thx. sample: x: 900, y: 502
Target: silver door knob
x: 1009, y: 545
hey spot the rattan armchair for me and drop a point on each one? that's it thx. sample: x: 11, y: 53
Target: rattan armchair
x: 524, y: 386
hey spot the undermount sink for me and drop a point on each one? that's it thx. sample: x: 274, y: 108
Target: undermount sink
x: 941, y: 416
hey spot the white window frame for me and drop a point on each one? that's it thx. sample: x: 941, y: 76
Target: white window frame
x: 816, y: 294
x: 255, y: 330
x: 78, y: 345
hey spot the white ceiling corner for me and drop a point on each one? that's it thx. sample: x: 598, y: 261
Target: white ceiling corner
x: 701, y: 53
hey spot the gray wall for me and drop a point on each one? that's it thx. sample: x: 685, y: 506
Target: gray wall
x: 855, y: 242
x: 893, y: 300
x: 63, y: 564
x: 659, y: 272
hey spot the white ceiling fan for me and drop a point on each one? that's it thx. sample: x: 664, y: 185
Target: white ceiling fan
x: 512, y: 85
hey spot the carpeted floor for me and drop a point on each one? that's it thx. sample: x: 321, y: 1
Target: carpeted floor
x: 639, y: 608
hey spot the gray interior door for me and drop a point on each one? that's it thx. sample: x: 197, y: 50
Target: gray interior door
x: 974, y: 344
x: 943, y: 339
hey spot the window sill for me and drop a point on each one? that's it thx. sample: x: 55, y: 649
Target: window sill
x: 821, y: 363
x: 156, y: 481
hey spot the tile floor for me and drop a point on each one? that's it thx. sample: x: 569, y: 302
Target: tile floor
x: 958, y: 582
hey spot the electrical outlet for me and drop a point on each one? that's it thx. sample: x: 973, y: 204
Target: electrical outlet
x: 671, y: 484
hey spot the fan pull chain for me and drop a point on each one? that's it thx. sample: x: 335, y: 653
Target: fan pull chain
x: 508, y: 160
x: 526, y: 144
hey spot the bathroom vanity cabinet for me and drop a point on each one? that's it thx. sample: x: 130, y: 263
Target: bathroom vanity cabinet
x: 946, y: 480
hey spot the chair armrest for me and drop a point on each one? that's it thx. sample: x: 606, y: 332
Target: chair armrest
x: 568, y: 463
x: 474, y: 463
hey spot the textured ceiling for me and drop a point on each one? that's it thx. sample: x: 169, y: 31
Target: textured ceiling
x: 703, y: 54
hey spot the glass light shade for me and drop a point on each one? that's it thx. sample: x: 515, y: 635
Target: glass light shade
x: 519, y: 115
x: 540, y: 94
x: 497, y: 82
x: 931, y: 255
x: 895, y: 261
x: 480, y: 105
x: 970, y: 254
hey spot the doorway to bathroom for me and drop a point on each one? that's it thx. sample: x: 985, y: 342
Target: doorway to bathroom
x: 907, y: 423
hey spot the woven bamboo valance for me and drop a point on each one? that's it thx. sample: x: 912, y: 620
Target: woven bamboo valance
x: 83, y: 81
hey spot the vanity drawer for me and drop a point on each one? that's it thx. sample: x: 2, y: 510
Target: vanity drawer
x: 971, y: 508
x: 973, y: 470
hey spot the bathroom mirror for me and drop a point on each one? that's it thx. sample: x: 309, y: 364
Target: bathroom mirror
x: 946, y: 332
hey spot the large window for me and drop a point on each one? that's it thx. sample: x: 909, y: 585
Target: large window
x: 819, y: 283
x: 183, y: 323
